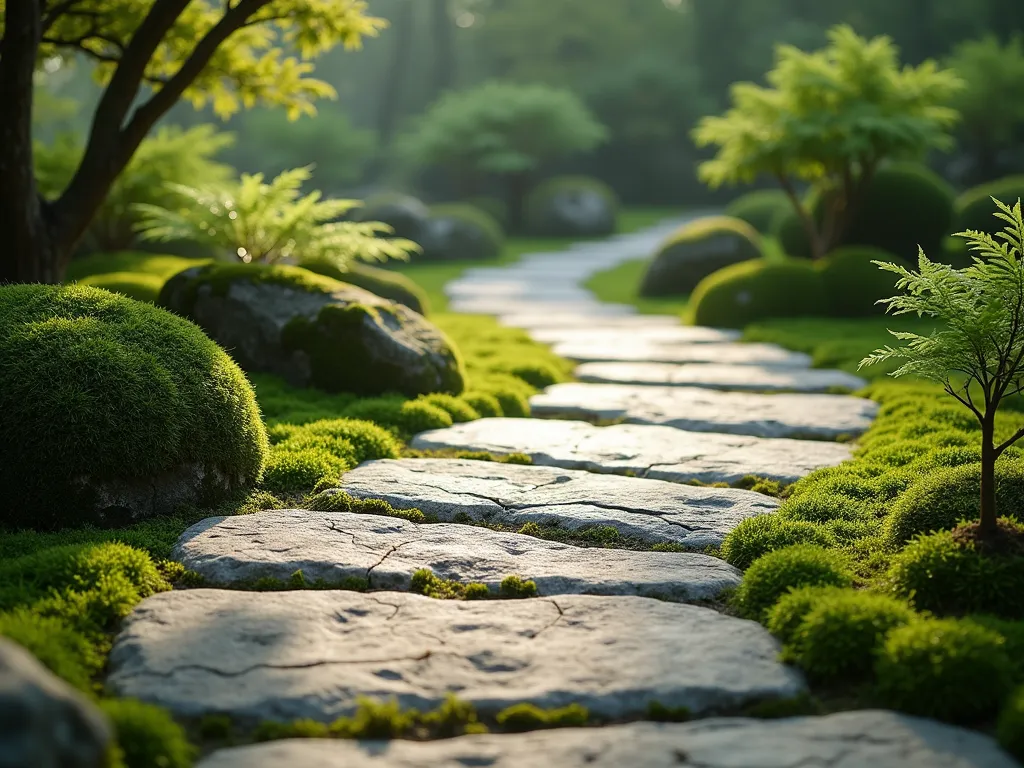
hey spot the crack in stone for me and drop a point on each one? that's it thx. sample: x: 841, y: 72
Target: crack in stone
x: 309, y: 665
x: 549, y: 625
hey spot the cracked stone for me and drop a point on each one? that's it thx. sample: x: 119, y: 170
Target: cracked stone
x: 807, y: 416
x: 387, y: 551
x: 748, y: 378
x: 661, y: 453
x: 313, y: 654
x: 626, y: 347
x: 513, y: 494
x: 847, y: 740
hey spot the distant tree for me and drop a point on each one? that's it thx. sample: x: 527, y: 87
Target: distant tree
x: 505, y: 130
x: 831, y: 118
x: 149, y: 55
x: 979, y: 356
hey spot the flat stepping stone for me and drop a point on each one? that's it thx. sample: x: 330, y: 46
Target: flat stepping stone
x: 747, y: 378
x: 312, y: 654
x: 806, y: 416
x: 503, y: 306
x: 845, y: 740
x: 622, y: 349
x: 560, y: 318
x: 631, y: 330
x: 387, y: 551
x: 660, y: 453
x: 513, y: 495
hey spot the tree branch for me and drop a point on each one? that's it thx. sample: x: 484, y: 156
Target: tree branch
x: 1006, y: 444
x: 805, y: 218
x: 968, y: 402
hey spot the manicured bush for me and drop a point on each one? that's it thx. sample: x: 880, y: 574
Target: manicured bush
x: 785, y: 617
x: 757, y: 536
x: 942, y: 668
x: 696, y: 250
x: 494, y: 207
x: 940, y: 574
x: 147, y: 736
x: 403, y: 213
x: 571, y: 206
x: 974, y: 208
x: 380, y: 282
x: 760, y: 209
x: 103, y: 397
x: 853, y: 283
x: 134, y: 285
x: 459, y: 232
x: 1010, y: 728
x: 775, y: 574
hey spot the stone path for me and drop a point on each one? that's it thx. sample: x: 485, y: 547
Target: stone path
x: 698, y: 405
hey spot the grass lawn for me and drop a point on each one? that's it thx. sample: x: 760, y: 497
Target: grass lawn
x: 620, y: 285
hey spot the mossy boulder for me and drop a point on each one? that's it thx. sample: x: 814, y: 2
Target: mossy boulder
x: 459, y: 232
x: 406, y: 215
x: 696, y: 250
x: 760, y: 209
x: 571, y: 206
x: 114, y: 410
x: 381, y: 282
x: 312, y: 330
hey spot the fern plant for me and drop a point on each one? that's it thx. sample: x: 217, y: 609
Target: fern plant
x: 978, y: 356
x: 270, y: 222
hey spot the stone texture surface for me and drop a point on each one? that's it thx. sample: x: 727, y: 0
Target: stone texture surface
x: 808, y: 416
x: 310, y: 654
x: 625, y: 335
x: 44, y: 723
x: 748, y: 378
x: 860, y: 739
x: 387, y: 551
x: 661, y: 453
x: 548, y: 319
x: 624, y: 349
x: 512, y: 494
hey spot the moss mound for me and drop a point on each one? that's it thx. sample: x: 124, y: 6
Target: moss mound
x: 854, y: 284
x: 755, y: 290
x: 757, y: 536
x: 571, y: 206
x: 760, y: 209
x: 380, y: 282
x: 134, y: 285
x: 147, y: 736
x: 696, y: 250
x: 775, y: 574
x: 103, y: 397
x: 459, y: 232
x: 974, y: 208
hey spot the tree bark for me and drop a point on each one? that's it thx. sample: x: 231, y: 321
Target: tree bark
x: 806, y: 218
x: 987, y: 520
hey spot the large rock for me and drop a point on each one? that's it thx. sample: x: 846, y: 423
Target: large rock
x: 746, y: 378
x: 513, y: 494
x: 387, y: 551
x: 315, y: 331
x: 43, y: 722
x: 406, y: 215
x: 571, y: 207
x: 460, y: 232
x: 639, y: 350
x: 661, y: 453
x: 847, y: 740
x: 313, y: 654
x: 807, y: 416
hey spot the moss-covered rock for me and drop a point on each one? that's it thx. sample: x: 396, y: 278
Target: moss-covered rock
x: 571, y: 206
x: 696, y: 250
x: 458, y: 232
x: 760, y: 209
x: 114, y: 409
x: 405, y: 214
x: 380, y: 282
x: 315, y: 331
x: 854, y: 283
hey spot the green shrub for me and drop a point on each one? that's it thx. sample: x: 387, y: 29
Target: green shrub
x: 942, y: 668
x: 853, y: 283
x: 785, y: 617
x: 380, y: 282
x: 408, y: 417
x: 485, y: 404
x: 841, y: 634
x: 974, y: 208
x: 66, y: 652
x: 571, y: 206
x: 458, y: 232
x: 529, y: 717
x: 406, y: 215
x: 147, y: 736
x: 102, y: 396
x: 1013, y: 635
x: 697, y: 249
x: 823, y: 506
x: 494, y: 207
x: 775, y: 574
x: 1010, y: 728
x: 760, y: 209
x: 138, y: 286
x: 944, y: 497
x: 940, y: 574
x: 518, y: 587
x: 759, y: 535
x: 757, y: 290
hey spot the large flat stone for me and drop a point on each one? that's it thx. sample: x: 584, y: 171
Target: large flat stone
x: 808, y: 416
x: 512, y: 305
x: 635, y: 331
x: 387, y: 551
x: 861, y: 739
x: 312, y: 654
x: 661, y: 453
x: 747, y: 378
x: 547, y: 318
x: 627, y: 349
x: 512, y: 494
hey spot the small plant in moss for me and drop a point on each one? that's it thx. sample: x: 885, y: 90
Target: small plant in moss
x: 335, y: 500
x: 270, y: 730
x: 801, y: 705
x: 530, y: 717
x: 147, y: 736
x: 375, y: 720
x: 452, y: 718
x: 426, y: 582
x: 216, y: 727
x: 517, y: 587
x: 773, y: 575
x: 660, y: 713
x: 298, y: 470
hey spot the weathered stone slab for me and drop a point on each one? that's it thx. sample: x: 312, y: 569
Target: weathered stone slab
x: 632, y: 330
x: 807, y: 416
x: 625, y: 349
x: 388, y: 551
x: 312, y: 654
x: 735, y: 377
x: 847, y: 740
x: 512, y: 494
x: 661, y: 453
x: 562, y: 318
x: 505, y: 306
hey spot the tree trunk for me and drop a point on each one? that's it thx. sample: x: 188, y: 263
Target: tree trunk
x: 987, y: 521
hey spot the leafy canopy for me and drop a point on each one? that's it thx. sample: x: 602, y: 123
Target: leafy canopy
x: 992, y: 104
x: 270, y: 222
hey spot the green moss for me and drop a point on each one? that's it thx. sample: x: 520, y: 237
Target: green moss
x: 821, y: 506
x: 785, y: 617
x: 760, y: 209
x: 407, y: 417
x: 65, y: 651
x: 149, y: 394
x: 659, y: 713
x: 456, y: 407
x: 216, y: 727
x: 299, y: 470
x: 529, y: 717
x: 147, y: 736
x: 380, y: 282
x: 1010, y: 728
x: 179, y: 293
x: 517, y: 587
x: 424, y: 582
x: 759, y: 535
x: 298, y: 581
x: 775, y: 574
x: 339, y: 501
x: 160, y: 266
x: 486, y: 405
x: 134, y: 285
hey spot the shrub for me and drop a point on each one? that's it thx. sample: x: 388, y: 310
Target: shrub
x: 940, y: 574
x: 140, y: 287
x: 974, y: 208
x: 760, y: 209
x: 822, y: 506
x: 853, y: 284
x: 841, y: 634
x: 380, y: 282
x: 1010, y: 728
x: 774, y: 574
x: 300, y: 470
x: 494, y: 207
x: 403, y: 213
x: 103, y: 396
x: 485, y: 404
x: 1013, y: 635
x: 147, y: 736
x: 696, y: 250
x: 942, y: 668
x: 759, y: 535
x: 458, y: 232
x: 756, y: 290
x: 571, y: 206
x: 785, y: 617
